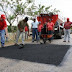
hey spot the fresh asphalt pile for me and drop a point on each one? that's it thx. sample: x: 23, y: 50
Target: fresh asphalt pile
x: 40, y: 53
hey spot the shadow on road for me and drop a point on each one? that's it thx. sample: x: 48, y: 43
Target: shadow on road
x: 48, y: 54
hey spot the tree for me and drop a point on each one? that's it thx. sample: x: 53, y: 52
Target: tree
x: 40, y: 9
x: 13, y: 8
x: 55, y: 11
x: 31, y: 9
x: 47, y: 9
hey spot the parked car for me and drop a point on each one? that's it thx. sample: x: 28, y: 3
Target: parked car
x: 58, y: 30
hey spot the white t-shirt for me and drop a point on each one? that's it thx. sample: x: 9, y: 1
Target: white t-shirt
x: 35, y: 24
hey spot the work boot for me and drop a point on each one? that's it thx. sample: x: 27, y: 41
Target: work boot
x: 21, y: 46
x: 68, y: 41
x: 37, y: 41
x: 2, y: 46
x: 64, y: 41
x: 41, y: 43
x: 32, y: 40
x: 16, y: 44
x: 50, y: 41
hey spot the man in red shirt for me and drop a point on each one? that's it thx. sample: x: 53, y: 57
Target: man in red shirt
x: 67, y: 26
x: 3, y: 29
x: 50, y: 28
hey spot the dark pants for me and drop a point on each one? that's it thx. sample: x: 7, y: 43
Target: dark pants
x: 34, y: 32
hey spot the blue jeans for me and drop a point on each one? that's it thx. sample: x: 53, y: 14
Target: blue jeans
x: 2, y: 34
x: 34, y: 32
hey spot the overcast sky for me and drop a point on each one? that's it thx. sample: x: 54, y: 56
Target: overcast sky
x: 65, y: 6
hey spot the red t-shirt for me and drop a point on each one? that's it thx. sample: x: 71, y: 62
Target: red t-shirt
x: 50, y: 26
x: 67, y: 25
x: 39, y: 28
x: 26, y: 28
x: 3, y: 24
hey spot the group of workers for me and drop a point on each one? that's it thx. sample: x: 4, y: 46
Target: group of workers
x: 36, y: 28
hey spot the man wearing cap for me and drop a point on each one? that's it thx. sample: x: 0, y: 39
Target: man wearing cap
x: 34, y: 27
x: 67, y: 26
x: 3, y: 29
x: 21, y: 26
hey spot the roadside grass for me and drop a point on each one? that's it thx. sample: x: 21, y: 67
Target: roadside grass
x: 12, y: 42
x: 12, y: 38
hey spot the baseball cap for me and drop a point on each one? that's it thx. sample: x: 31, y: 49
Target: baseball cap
x: 67, y: 18
x: 3, y: 16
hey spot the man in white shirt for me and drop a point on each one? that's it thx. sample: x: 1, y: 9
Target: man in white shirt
x: 34, y: 30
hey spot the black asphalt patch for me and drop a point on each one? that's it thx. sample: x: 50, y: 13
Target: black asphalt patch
x: 48, y: 54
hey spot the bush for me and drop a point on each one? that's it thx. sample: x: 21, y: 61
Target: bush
x: 12, y: 28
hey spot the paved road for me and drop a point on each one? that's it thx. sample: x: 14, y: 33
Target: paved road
x: 13, y: 65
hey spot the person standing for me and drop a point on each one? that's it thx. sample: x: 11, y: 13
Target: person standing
x: 50, y: 29
x: 3, y: 29
x: 34, y: 27
x: 21, y: 26
x: 67, y: 26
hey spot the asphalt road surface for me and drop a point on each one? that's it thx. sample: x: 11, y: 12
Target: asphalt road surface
x: 10, y: 64
x: 38, y: 53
